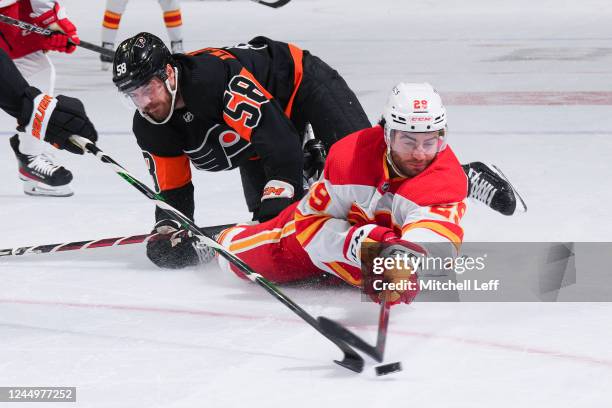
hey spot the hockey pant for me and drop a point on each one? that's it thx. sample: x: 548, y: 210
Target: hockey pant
x: 326, y: 102
x: 271, y: 249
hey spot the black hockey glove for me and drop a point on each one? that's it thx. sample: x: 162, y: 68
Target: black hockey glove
x: 314, y: 159
x: 488, y: 187
x: 180, y: 250
x: 56, y: 119
x: 277, y: 195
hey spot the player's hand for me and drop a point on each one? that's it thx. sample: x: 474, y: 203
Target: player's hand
x: 66, y: 39
x: 55, y: 120
x: 181, y: 249
x: 277, y: 195
x: 404, y: 279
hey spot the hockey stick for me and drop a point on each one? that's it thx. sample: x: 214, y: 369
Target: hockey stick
x: 101, y: 243
x: 46, y: 32
x: 342, y: 333
x: 351, y: 360
x: 273, y: 4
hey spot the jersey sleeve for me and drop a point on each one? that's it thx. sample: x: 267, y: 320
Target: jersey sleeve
x: 328, y: 230
x: 253, y: 113
x: 168, y: 165
x: 12, y: 87
x: 434, y: 224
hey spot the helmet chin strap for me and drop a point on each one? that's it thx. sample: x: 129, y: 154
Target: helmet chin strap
x: 172, y: 103
x: 387, y: 133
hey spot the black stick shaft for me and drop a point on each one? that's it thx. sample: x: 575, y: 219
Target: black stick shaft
x: 383, y: 326
x: 351, y: 360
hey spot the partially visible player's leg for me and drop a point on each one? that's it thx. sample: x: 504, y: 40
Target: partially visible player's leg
x: 270, y: 248
x: 327, y: 103
x: 36, y: 166
x: 253, y: 180
x: 110, y: 26
x: 174, y: 24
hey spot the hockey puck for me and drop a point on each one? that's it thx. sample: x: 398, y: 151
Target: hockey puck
x: 388, y: 368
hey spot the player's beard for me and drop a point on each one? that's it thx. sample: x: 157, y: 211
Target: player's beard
x: 411, y: 166
x: 159, y: 109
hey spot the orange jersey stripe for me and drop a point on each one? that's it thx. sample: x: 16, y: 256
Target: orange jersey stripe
x: 343, y: 273
x: 311, y: 230
x: 263, y: 238
x: 111, y: 20
x: 298, y: 72
x: 172, y: 172
x: 450, y: 231
x: 110, y: 25
x: 172, y: 13
x: 219, y: 53
x: 110, y: 14
x: 357, y: 216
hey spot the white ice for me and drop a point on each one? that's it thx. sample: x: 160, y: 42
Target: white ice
x: 130, y: 335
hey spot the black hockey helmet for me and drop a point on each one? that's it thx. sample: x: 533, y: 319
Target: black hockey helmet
x: 138, y: 59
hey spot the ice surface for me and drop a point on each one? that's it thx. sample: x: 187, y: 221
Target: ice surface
x: 130, y: 335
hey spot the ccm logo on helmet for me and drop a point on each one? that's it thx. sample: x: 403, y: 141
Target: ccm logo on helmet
x: 420, y: 119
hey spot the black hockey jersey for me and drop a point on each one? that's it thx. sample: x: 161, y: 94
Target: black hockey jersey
x: 238, y: 104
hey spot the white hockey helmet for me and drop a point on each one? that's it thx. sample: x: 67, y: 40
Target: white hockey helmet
x: 415, y: 107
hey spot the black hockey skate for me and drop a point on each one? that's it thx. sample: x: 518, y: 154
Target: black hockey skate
x: 492, y: 188
x: 41, y: 177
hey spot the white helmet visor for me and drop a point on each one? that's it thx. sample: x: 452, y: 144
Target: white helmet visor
x: 408, y: 143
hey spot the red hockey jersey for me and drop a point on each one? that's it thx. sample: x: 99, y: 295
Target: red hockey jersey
x: 356, y: 200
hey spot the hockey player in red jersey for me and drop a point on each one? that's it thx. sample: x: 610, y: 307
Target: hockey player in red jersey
x: 398, y: 183
x: 40, y: 174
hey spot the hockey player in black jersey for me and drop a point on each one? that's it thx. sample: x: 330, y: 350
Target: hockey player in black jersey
x: 221, y: 108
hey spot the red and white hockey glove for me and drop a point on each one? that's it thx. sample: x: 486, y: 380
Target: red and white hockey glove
x: 66, y: 39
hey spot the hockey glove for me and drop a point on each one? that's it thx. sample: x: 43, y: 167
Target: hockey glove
x: 277, y: 195
x: 181, y: 249
x: 314, y: 159
x: 66, y: 39
x: 488, y: 187
x: 56, y: 119
x: 399, y: 281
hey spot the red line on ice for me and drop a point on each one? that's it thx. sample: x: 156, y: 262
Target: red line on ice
x: 475, y: 342
x: 528, y: 98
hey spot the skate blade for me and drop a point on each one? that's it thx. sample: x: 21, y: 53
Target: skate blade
x: 522, y: 207
x: 33, y: 188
